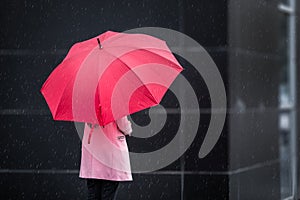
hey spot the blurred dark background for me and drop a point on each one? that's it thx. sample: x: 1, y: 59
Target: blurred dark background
x: 251, y: 44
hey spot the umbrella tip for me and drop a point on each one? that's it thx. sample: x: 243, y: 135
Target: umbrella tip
x: 99, y: 43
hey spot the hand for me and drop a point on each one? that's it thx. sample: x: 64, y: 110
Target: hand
x: 123, y: 132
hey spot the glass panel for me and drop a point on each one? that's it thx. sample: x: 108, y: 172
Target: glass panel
x: 286, y: 107
x: 285, y: 155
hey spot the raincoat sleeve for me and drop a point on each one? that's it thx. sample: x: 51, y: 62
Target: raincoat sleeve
x: 124, y: 125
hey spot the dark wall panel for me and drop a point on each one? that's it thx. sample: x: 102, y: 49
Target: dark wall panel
x: 41, y: 157
x: 57, y: 25
x: 260, y: 183
x: 206, y: 22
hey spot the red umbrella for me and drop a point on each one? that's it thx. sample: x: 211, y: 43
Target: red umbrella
x: 110, y: 76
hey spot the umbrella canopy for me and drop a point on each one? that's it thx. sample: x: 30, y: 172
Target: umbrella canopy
x: 110, y: 76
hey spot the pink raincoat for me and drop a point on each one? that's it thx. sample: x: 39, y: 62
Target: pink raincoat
x: 106, y: 156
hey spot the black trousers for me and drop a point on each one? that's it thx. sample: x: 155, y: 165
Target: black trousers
x: 99, y: 189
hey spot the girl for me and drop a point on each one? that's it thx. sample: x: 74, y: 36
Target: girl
x: 105, y: 158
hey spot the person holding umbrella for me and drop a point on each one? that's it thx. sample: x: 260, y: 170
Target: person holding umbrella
x: 103, y: 173
x: 100, y: 82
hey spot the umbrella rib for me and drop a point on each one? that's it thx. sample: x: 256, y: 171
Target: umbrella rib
x: 68, y: 82
x: 76, y: 54
x: 163, y: 57
x: 145, y: 48
x: 136, y: 48
x: 59, y: 102
x: 153, y: 99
